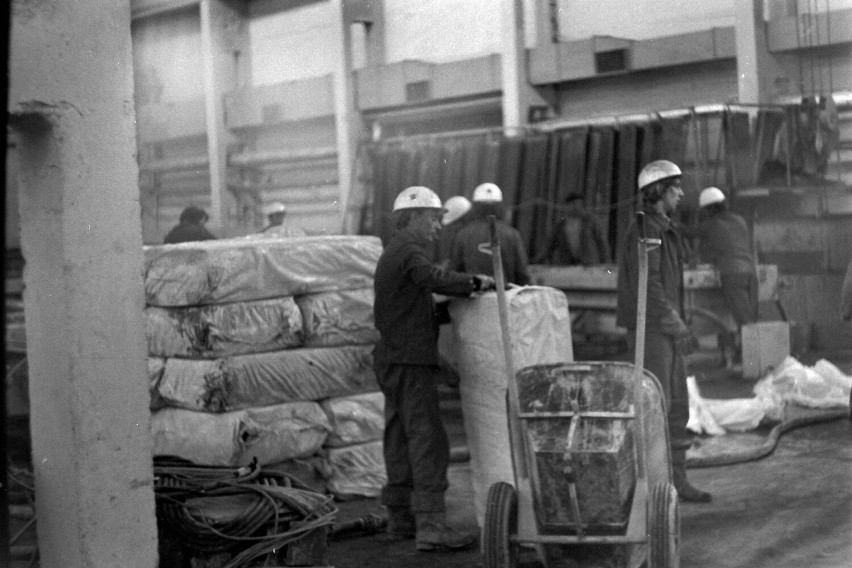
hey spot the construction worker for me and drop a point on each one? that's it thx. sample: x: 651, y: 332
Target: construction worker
x: 190, y: 228
x: 416, y: 446
x: 275, y: 213
x: 456, y: 209
x: 666, y: 333
x: 577, y: 239
x: 725, y: 242
x: 470, y: 252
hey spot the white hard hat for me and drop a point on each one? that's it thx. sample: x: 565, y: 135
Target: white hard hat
x: 487, y: 193
x: 710, y: 196
x: 274, y: 207
x: 417, y: 197
x: 455, y: 208
x: 656, y: 171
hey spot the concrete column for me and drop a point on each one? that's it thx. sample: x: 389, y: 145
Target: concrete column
x: 516, y: 91
x: 756, y: 66
x: 71, y: 108
x: 346, y: 117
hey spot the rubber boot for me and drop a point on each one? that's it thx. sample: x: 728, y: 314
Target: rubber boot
x: 401, y: 524
x: 433, y: 534
x: 685, y: 491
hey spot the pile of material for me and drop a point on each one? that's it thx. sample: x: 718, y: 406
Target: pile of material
x: 261, y: 349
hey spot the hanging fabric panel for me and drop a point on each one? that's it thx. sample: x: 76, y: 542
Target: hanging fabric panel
x: 626, y: 173
x: 530, y: 204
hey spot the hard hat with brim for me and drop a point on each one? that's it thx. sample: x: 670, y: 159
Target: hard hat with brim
x: 455, y: 208
x: 657, y: 171
x: 709, y: 196
x: 417, y: 197
x: 487, y: 193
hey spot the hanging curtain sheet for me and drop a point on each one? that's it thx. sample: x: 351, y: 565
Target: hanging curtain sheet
x: 599, y: 176
x: 627, y: 171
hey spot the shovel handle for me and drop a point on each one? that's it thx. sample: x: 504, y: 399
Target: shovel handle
x: 640, y: 224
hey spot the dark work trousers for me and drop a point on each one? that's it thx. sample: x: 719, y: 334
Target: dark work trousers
x: 416, y: 446
x: 740, y: 293
x: 666, y: 362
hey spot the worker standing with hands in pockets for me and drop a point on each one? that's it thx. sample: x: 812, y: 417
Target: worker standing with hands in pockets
x: 416, y: 446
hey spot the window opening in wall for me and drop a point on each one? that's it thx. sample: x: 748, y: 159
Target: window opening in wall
x: 417, y: 91
x: 611, y: 61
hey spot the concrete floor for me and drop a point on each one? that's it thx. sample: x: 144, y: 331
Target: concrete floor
x: 790, y: 509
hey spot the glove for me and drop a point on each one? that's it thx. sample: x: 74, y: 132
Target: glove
x: 483, y: 283
x: 671, y: 324
x: 687, y: 345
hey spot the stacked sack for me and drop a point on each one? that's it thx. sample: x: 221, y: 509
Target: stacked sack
x: 261, y: 348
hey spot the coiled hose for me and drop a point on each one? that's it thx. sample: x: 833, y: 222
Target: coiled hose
x: 266, y: 510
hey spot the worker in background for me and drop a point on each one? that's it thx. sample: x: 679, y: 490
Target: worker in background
x: 190, y: 228
x: 416, y: 446
x: 666, y: 332
x: 577, y: 238
x: 725, y: 242
x: 275, y: 213
x: 456, y: 209
x: 470, y: 251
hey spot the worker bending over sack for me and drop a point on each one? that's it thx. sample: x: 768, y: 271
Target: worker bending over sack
x: 416, y: 446
x: 666, y: 333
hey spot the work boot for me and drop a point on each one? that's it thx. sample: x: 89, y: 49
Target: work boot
x: 401, y: 524
x: 685, y: 491
x: 433, y: 533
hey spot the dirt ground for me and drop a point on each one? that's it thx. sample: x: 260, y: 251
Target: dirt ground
x: 791, y: 509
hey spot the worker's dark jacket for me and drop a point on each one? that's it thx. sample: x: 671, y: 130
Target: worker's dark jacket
x: 665, y: 311
x: 726, y: 243
x: 467, y: 257
x: 187, y: 232
x: 577, y: 239
x: 406, y: 277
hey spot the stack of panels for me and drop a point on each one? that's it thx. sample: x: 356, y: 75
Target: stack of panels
x: 260, y: 348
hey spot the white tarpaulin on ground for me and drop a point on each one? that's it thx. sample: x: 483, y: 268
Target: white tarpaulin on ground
x: 355, y: 419
x: 540, y: 330
x: 271, y: 434
x: 246, y: 269
x: 357, y: 470
x: 342, y: 317
x: 242, y: 381
x: 220, y: 330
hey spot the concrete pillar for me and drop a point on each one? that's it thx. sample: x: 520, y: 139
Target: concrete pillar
x: 756, y: 66
x: 516, y: 91
x: 71, y: 108
x: 225, y: 53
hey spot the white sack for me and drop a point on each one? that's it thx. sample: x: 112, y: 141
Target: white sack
x: 261, y: 379
x: 737, y: 414
x: 246, y: 269
x: 794, y: 383
x: 540, y: 330
x: 357, y: 470
x: 270, y: 434
x: 701, y: 420
x: 224, y: 329
x: 342, y: 317
x: 355, y: 419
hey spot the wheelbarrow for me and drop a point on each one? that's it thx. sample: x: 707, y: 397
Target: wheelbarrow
x: 590, y: 454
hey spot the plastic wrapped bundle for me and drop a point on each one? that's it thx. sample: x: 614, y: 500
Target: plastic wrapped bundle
x: 338, y: 318
x: 243, y: 381
x: 224, y: 329
x: 356, y: 471
x: 355, y: 419
x: 271, y: 434
x: 247, y: 269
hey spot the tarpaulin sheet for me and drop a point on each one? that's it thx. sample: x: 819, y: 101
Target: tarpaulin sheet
x: 271, y: 434
x: 540, y: 330
x: 338, y: 318
x: 224, y: 329
x: 355, y: 419
x: 600, y: 175
x: 357, y: 470
x: 245, y: 269
x: 243, y: 381
x: 627, y: 174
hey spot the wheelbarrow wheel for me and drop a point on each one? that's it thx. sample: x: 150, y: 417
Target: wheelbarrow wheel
x: 501, y: 523
x: 664, y: 518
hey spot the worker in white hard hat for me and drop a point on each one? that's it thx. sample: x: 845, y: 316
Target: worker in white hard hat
x: 275, y: 213
x: 456, y: 211
x: 470, y: 247
x: 666, y: 332
x: 724, y: 240
x: 416, y: 447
